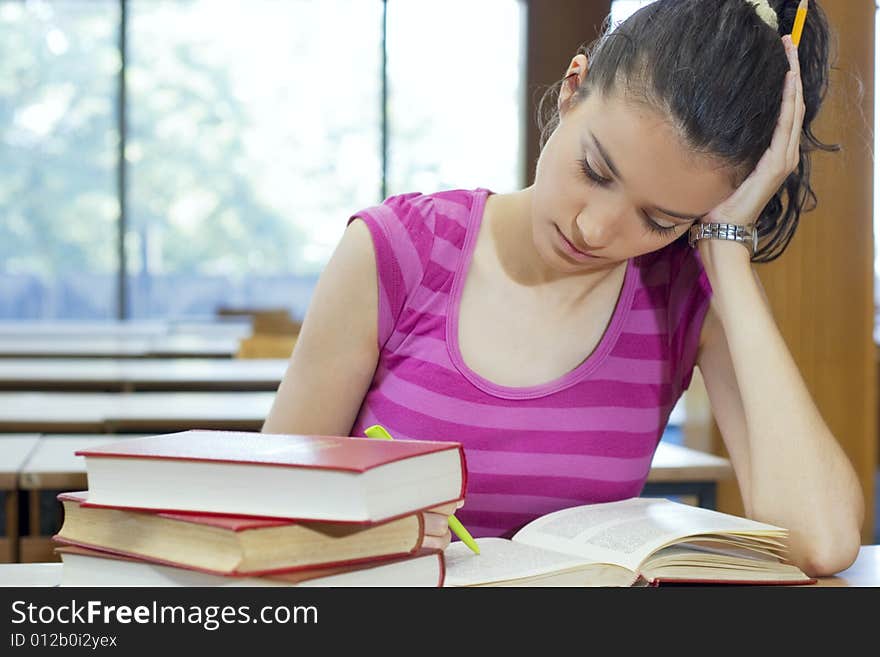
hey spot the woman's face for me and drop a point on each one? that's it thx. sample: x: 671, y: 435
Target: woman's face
x: 610, y: 182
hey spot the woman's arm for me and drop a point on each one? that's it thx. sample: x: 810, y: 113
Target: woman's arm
x: 790, y: 468
x: 335, y: 356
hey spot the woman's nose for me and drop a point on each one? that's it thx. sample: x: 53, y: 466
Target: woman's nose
x: 597, y: 225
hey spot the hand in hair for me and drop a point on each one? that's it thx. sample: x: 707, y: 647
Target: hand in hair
x: 744, y: 206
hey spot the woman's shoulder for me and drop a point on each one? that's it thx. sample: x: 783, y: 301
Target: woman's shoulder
x: 454, y: 204
x: 414, y: 235
x: 407, y: 227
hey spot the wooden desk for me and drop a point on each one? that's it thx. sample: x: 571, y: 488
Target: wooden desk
x: 192, y: 346
x: 177, y: 411
x: 146, y: 412
x: 228, y: 327
x: 75, y: 328
x: 130, y: 374
x: 677, y: 470
x: 864, y: 572
x: 74, y: 346
x: 81, y: 328
x: 53, y: 412
x: 30, y: 574
x: 52, y: 467
x: 14, y: 452
x: 119, y: 346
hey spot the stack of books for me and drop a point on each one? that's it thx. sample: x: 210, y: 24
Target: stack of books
x: 222, y: 508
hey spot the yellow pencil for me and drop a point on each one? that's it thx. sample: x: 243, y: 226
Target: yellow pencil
x: 799, y: 20
x: 378, y: 431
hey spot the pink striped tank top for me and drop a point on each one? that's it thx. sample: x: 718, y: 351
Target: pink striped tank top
x: 586, y: 437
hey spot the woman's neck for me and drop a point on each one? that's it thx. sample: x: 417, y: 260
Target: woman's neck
x: 507, y: 223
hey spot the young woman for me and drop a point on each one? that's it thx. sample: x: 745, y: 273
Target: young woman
x: 551, y: 330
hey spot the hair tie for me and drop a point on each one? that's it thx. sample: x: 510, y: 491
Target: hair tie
x: 766, y: 12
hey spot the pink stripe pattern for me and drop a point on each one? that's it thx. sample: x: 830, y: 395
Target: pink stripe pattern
x: 586, y: 437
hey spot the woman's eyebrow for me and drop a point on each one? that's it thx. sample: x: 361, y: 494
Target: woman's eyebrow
x: 610, y: 164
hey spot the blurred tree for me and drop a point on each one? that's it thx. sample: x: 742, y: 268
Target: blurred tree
x: 58, y: 206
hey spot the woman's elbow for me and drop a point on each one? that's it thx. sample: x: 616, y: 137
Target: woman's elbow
x: 835, y: 544
x: 831, y: 554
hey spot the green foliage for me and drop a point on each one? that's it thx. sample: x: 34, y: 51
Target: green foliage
x: 191, y: 205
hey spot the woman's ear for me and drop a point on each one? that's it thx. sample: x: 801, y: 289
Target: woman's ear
x: 574, y: 78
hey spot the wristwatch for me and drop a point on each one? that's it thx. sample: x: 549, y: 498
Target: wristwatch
x: 745, y: 235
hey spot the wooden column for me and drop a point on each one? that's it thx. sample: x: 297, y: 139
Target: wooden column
x: 556, y: 29
x: 822, y: 288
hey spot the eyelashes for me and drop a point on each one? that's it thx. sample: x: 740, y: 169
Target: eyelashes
x: 591, y: 174
x: 595, y: 179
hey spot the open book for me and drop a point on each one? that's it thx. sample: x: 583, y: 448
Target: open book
x: 638, y: 541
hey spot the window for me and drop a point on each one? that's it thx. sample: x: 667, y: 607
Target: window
x: 623, y: 9
x: 455, y: 94
x: 59, y: 207
x: 252, y: 130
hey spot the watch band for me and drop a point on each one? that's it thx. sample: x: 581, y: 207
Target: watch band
x: 745, y: 235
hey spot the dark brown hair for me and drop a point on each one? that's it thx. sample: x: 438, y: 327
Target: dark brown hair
x: 717, y: 70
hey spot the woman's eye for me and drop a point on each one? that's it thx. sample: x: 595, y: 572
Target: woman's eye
x: 594, y: 178
x: 591, y: 174
x: 660, y: 229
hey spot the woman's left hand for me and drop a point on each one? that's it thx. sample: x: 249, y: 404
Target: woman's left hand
x: 744, y: 206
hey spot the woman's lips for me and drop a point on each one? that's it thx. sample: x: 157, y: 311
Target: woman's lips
x: 571, y: 250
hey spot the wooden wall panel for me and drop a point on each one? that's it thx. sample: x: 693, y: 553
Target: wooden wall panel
x: 555, y: 31
x: 822, y: 289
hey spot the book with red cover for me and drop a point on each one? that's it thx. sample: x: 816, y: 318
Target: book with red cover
x: 233, y: 545
x: 305, y: 477
x: 83, y: 567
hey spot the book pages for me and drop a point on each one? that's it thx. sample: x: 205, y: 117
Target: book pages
x: 627, y: 532
x: 501, y: 559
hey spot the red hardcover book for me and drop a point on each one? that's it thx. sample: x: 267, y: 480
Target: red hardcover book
x: 336, y: 478
x: 233, y: 545
x: 90, y: 568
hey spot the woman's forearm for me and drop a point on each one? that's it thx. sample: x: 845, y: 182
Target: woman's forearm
x: 799, y: 477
